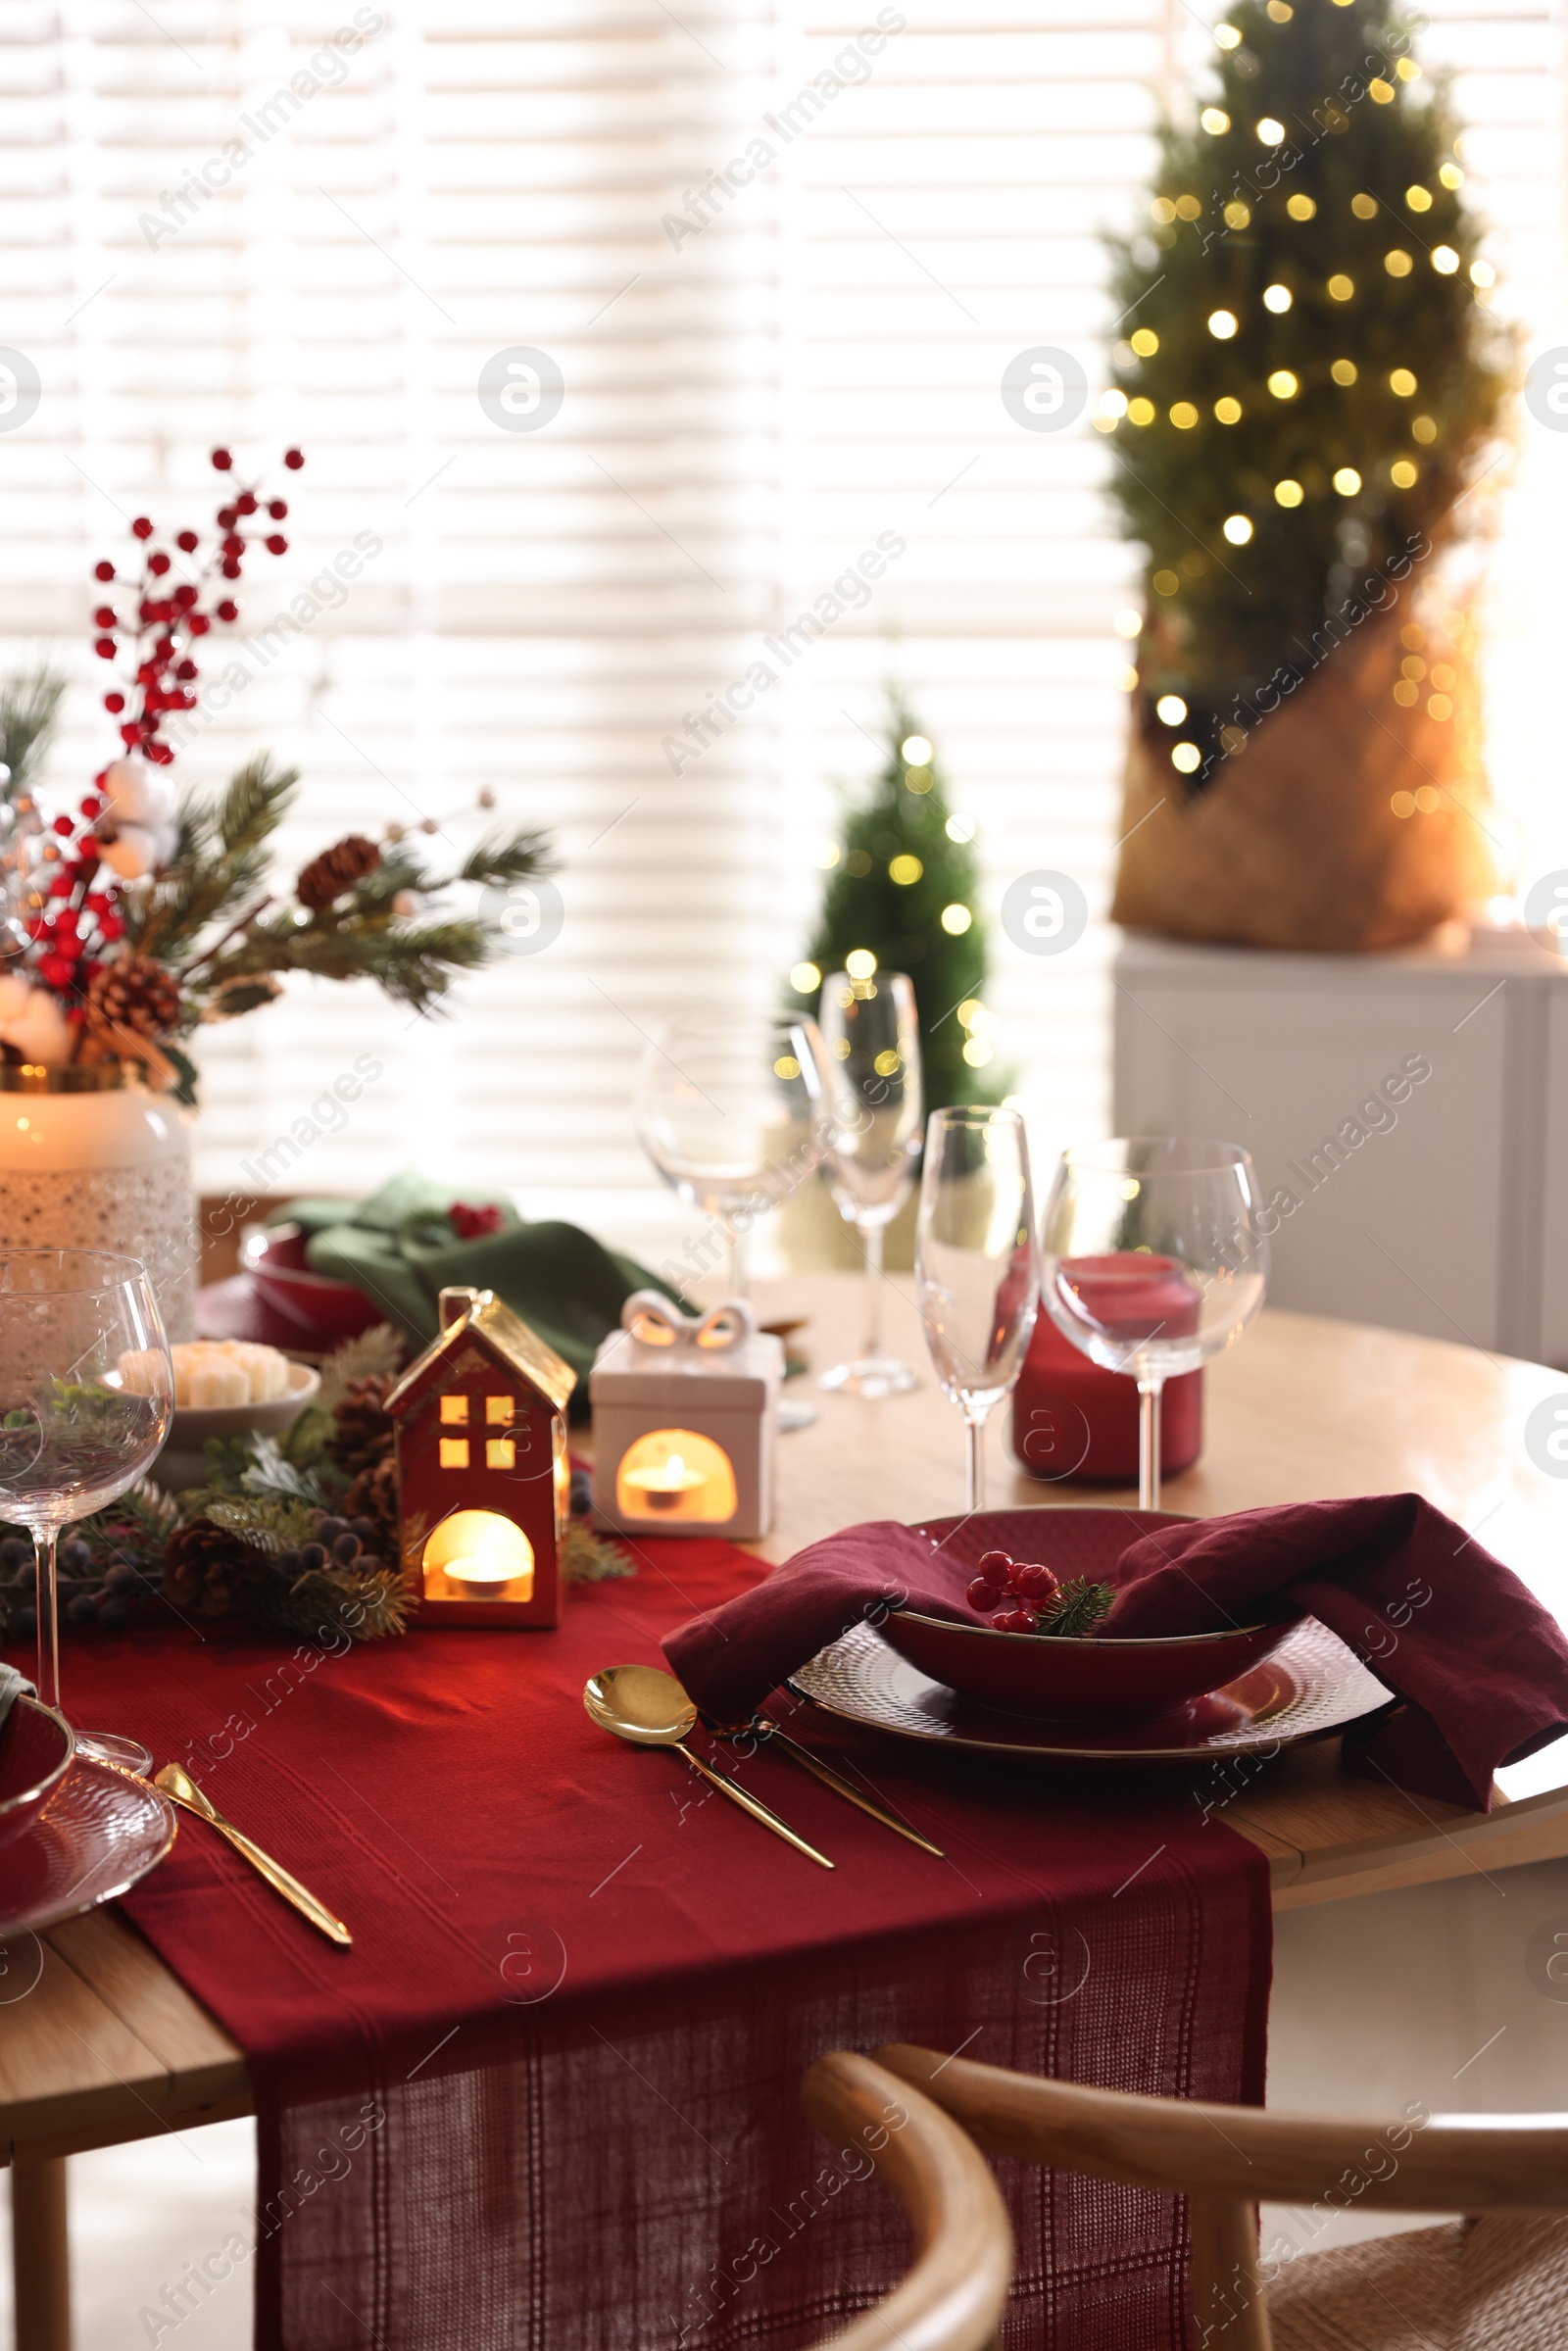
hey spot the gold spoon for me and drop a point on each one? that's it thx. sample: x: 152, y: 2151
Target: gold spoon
x: 650, y: 1708
x: 181, y: 1788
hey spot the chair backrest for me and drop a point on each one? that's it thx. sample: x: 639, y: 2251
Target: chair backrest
x: 952, y: 2298
x: 1228, y: 2159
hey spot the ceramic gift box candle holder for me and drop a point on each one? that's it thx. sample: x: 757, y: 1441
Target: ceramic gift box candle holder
x: 685, y: 1418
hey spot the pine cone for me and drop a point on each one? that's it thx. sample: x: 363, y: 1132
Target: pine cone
x: 210, y: 1570
x: 361, y: 1427
x: 335, y: 870
x: 135, y: 993
x: 374, y: 1494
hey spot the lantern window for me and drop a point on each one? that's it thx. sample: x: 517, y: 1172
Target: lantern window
x: 455, y: 1411
x: 454, y: 1452
x: 500, y: 1452
x: 500, y: 1410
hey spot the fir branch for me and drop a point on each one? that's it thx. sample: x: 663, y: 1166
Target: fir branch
x: 413, y: 964
x: 517, y: 859
x: 379, y: 1349
x: 327, y: 1601
x: 400, y: 869
x: 29, y: 713
x: 254, y: 805
x: 272, y: 1523
x: 304, y: 1442
x: 141, y: 1519
x: 241, y: 996
x: 587, y: 1559
x: 1081, y: 1607
x: 248, y: 1465
x: 220, y: 862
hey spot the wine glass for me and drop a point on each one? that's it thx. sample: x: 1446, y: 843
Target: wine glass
x: 732, y: 1110
x: 977, y: 1265
x: 86, y: 1396
x: 1154, y: 1260
x: 871, y: 1031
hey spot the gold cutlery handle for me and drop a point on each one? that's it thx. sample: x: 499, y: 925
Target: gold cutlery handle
x: 845, y: 1787
x: 758, y: 1812
x: 279, y: 1878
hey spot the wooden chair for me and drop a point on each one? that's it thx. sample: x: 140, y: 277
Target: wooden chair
x: 1488, y: 2284
x: 953, y: 2298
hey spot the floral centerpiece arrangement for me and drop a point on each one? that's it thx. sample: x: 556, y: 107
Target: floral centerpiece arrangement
x: 144, y: 914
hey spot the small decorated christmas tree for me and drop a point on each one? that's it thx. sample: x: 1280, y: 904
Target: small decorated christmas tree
x: 1308, y: 367
x: 903, y: 888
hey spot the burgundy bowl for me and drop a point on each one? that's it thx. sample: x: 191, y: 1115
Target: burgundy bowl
x: 311, y: 1304
x: 1083, y: 1680
x: 35, y: 1751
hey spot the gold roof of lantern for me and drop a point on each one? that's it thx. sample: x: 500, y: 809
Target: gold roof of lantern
x: 504, y: 1336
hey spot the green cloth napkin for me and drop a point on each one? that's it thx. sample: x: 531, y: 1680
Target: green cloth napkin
x: 399, y: 1247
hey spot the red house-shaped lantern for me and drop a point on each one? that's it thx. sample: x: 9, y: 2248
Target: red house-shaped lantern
x: 484, y: 1483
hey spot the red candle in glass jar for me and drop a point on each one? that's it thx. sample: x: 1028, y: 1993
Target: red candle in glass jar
x: 1075, y: 1421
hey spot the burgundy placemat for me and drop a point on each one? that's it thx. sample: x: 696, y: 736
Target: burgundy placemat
x: 551, y: 2097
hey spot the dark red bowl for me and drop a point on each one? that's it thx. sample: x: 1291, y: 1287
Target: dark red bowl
x: 1083, y: 1680
x: 310, y: 1304
x: 35, y: 1751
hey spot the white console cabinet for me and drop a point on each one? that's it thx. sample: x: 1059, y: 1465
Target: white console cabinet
x: 1433, y: 1202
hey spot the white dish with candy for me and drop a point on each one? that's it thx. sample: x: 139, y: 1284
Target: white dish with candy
x: 223, y: 1389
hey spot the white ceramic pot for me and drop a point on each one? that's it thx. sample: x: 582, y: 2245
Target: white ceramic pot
x: 89, y: 1159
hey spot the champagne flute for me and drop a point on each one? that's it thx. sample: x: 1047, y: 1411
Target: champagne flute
x: 871, y: 1032
x: 86, y: 1396
x: 1155, y: 1261
x: 732, y: 1110
x: 977, y: 1265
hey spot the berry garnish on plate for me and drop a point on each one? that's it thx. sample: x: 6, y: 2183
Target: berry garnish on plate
x: 1024, y: 1595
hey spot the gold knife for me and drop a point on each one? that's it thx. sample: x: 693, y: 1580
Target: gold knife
x: 762, y: 1727
x: 181, y: 1788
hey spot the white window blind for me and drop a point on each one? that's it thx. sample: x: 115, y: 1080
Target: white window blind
x: 810, y: 363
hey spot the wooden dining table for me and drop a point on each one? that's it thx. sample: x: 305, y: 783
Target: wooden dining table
x: 108, y: 2047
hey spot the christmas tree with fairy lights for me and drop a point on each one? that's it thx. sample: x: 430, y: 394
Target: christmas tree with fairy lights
x: 903, y: 891
x: 1308, y: 370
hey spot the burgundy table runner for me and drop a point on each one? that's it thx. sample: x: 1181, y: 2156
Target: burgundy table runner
x: 550, y: 2100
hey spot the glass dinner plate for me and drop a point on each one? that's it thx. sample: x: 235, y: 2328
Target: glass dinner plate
x: 1311, y: 1687
x: 99, y: 1833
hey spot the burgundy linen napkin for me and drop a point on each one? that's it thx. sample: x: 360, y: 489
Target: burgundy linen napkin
x: 1480, y: 1666
x: 728, y: 1661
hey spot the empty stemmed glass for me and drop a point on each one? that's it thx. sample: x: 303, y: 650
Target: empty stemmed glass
x: 1155, y: 1261
x: 732, y: 1110
x: 86, y: 1396
x: 977, y: 1265
x: 871, y: 1032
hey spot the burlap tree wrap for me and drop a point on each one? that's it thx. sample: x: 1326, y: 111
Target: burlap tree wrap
x: 1298, y: 840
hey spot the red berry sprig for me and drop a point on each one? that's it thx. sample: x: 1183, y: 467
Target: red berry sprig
x: 1019, y: 1589
x: 75, y: 916
x: 1030, y: 1599
x: 159, y: 631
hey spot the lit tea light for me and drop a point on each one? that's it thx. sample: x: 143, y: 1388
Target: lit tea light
x: 663, y: 1482
x: 486, y: 1554
x: 479, y: 1573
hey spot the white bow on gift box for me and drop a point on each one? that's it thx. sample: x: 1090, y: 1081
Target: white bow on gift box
x: 685, y: 1414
